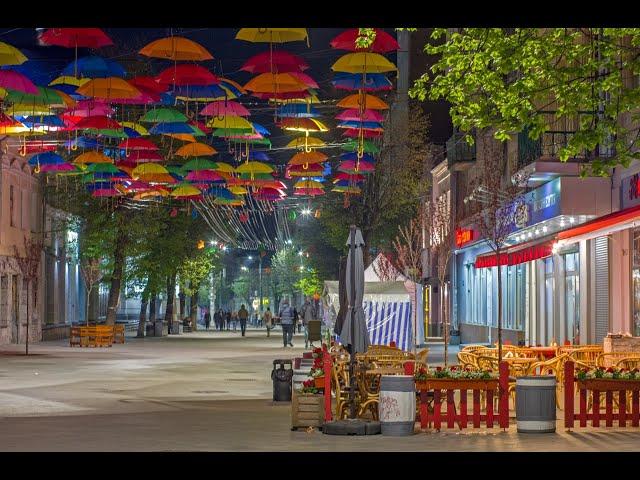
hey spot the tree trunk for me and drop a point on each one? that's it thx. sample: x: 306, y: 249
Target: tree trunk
x: 182, y: 298
x: 86, y: 318
x: 171, y: 293
x: 194, y: 310
x: 499, y: 309
x: 144, y: 301
x: 366, y: 256
x: 152, y: 307
x: 116, y: 276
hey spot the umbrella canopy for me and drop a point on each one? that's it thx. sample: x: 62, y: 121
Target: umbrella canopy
x: 306, y: 158
x: 10, y: 55
x: 75, y: 37
x: 383, y: 42
x: 369, y: 147
x: 303, y: 125
x: 142, y: 156
x: 98, y: 122
x: 300, y: 110
x: 204, y: 176
x: 185, y: 190
x: 229, y: 122
x: 148, y: 83
x: 86, y: 108
x: 177, y: 49
x: 196, y: 164
x: 354, y: 81
x: 354, y: 329
x: 202, y: 93
x: 315, y: 170
x: 171, y: 127
x: 275, y: 61
x: 349, y: 166
x: 362, y: 62
x: 260, y: 156
x: 195, y: 150
x: 186, y: 74
x: 163, y: 115
x: 92, y: 157
x: 272, y: 35
x: 45, y: 96
x: 254, y: 167
x: 276, y: 83
x: 370, y: 102
x: 138, y: 144
x: 355, y: 133
x: 352, y: 190
x: 221, y: 108
x: 12, y: 80
x: 94, y: 66
x: 353, y: 114
x: 308, y: 142
x: 372, y: 126
x: 108, y: 88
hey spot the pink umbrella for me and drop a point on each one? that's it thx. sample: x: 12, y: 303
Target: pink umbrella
x: 354, y: 115
x: 57, y: 167
x: 363, y: 167
x: 146, y: 97
x: 137, y: 186
x: 304, y: 78
x: 383, y: 43
x: 87, y: 108
x: 221, y: 108
x: 277, y: 61
x: 203, y: 176
x: 144, y: 156
x: 12, y: 80
x: 138, y: 143
x: 354, y: 132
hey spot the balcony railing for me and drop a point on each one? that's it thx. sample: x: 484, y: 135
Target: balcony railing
x: 547, y: 146
x: 459, y: 151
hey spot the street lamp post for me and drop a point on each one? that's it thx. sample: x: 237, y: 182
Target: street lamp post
x: 260, y: 282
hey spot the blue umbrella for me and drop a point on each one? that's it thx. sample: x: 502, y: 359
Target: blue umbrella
x: 231, y: 87
x: 298, y: 110
x: 95, y: 67
x: 356, y: 124
x: 131, y: 133
x: 221, y: 193
x: 171, y: 127
x: 354, y: 156
x: 327, y: 169
x: 260, y: 129
x: 83, y: 142
x: 46, y: 120
x: 259, y: 156
x: 353, y: 81
x: 69, y: 90
x: 199, y: 91
x: 46, y: 158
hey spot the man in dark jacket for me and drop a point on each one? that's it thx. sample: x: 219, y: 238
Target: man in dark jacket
x: 243, y: 315
x: 286, y: 320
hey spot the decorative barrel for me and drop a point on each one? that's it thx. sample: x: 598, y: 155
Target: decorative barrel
x: 536, y: 404
x: 397, y: 405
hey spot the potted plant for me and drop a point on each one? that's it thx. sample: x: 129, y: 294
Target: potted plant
x: 317, y: 372
x: 454, y: 378
x: 604, y: 379
x: 307, y: 406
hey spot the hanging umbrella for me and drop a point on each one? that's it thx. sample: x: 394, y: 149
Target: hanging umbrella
x: 185, y: 137
x: 349, y: 189
x: 368, y: 146
x: 87, y: 108
x: 143, y: 156
x: 302, y: 142
x: 253, y: 168
x: 12, y: 80
x: 148, y: 83
x: 136, y: 127
x: 177, y: 49
x: 362, y: 62
x: 94, y: 66
x: 272, y: 35
x: 355, y: 133
x: 186, y: 74
x: 231, y: 122
x: 74, y: 38
x: 276, y: 83
x: 201, y: 93
x: 108, y: 88
x: 369, y: 101
x: 10, y: 55
x: 146, y: 97
x: 307, y: 158
x: 383, y: 42
x: 45, y: 96
x: 196, y: 164
x: 224, y: 167
x: 47, y: 158
x: 164, y: 115
x: 204, y: 176
x: 97, y: 122
x: 43, y: 120
x: 303, y: 125
x: 354, y: 178
x: 280, y: 97
x: 185, y: 190
x: 91, y: 157
x: 223, y: 108
x: 195, y: 150
x: 260, y: 156
x: 275, y: 61
x: 354, y: 156
x: 351, y: 166
x: 304, y: 171
x: 57, y: 168
x: 103, y: 168
x: 298, y: 110
x: 353, y: 114
x: 371, y: 126
x: 172, y: 127
x: 356, y: 81
x: 138, y: 144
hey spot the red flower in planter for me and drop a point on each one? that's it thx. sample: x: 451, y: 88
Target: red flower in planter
x: 453, y: 369
x: 308, y: 383
x: 610, y: 370
x: 438, y: 369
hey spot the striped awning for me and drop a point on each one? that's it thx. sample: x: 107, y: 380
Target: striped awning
x: 389, y: 322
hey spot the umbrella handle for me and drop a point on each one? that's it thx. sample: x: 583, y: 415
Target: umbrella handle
x: 37, y: 169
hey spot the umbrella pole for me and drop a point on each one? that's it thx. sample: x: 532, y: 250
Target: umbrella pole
x: 352, y: 356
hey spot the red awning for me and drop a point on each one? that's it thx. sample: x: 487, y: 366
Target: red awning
x: 516, y: 256
x: 615, y: 218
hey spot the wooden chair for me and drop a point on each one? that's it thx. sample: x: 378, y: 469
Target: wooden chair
x: 421, y: 356
x: 587, y: 355
x: 629, y: 362
x: 467, y: 359
x: 610, y: 359
x: 340, y: 386
x: 472, y: 348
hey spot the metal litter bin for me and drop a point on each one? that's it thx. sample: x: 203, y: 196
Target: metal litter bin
x: 536, y: 404
x: 282, y: 380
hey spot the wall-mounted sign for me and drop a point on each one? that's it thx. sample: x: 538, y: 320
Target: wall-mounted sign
x: 630, y: 191
x: 538, y: 205
x: 515, y: 257
x: 464, y: 235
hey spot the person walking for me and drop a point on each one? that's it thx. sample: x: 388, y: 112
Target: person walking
x: 286, y: 320
x: 227, y: 319
x: 234, y: 320
x: 207, y: 320
x: 308, y: 313
x: 296, y: 320
x: 267, y: 317
x: 243, y: 315
x: 216, y: 320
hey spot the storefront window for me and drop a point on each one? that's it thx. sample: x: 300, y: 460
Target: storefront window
x: 636, y: 282
x: 572, y: 296
x: 548, y: 294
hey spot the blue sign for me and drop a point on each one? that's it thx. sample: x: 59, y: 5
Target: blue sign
x: 541, y: 204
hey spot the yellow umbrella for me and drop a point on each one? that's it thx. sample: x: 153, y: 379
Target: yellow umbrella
x: 92, y: 157
x: 370, y: 102
x: 305, y: 142
x: 307, y: 158
x: 147, y: 168
x: 108, y: 88
x: 230, y: 122
x: 236, y: 202
x: 254, y: 167
x: 185, y: 191
x: 312, y: 171
x: 224, y: 80
x: 176, y: 49
x: 137, y: 127
x: 273, y: 35
x: 25, y: 109
x: 224, y: 167
x: 363, y: 62
x: 308, y: 184
x: 195, y: 150
x: 238, y: 190
x: 303, y: 125
x: 150, y: 194
x: 10, y: 55
x: 67, y: 80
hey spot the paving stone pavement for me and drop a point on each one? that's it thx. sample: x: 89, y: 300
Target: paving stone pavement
x: 204, y: 391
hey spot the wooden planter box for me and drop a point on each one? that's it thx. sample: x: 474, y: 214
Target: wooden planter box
x: 307, y: 410
x: 608, y: 384
x: 456, y: 384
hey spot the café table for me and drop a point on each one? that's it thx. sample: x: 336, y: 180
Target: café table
x: 544, y: 353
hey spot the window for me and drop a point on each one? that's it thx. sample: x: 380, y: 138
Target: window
x: 548, y: 294
x: 636, y: 282
x: 11, y: 207
x: 572, y: 296
x: 24, y: 211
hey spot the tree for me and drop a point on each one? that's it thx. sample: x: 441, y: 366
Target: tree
x: 310, y: 283
x: 193, y: 271
x: 29, y: 265
x: 437, y: 216
x: 244, y: 286
x: 91, y: 269
x: 533, y: 79
x: 501, y: 206
x: 285, y: 271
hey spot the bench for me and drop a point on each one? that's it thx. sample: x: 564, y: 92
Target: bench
x: 92, y: 336
x: 118, y: 333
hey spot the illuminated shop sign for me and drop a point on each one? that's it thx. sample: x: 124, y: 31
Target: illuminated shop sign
x: 630, y: 191
x: 516, y: 257
x: 464, y: 235
x: 541, y: 204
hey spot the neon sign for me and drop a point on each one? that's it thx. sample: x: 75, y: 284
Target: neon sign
x: 463, y: 235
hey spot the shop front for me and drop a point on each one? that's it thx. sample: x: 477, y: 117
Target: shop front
x: 541, y: 282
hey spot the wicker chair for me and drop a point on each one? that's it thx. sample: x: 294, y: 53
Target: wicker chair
x: 467, y: 359
x: 587, y: 354
x: 340, y: 385
x: 612, y: 358
x: 629, y: 362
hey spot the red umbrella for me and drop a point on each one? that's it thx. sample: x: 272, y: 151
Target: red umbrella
x: 349, y: 177
x: 13, y: 80
x: 350, y: 165
x: 142, y: 82
x: 383, y: 43
x: 354, y: 115
x: 282, y: 96
x: 187, y: 74
x: 7, y: 121
x: 277, y: 61
x: 145, y: 98
x: 86, y: 108
x: 200, y: 125
x: 220, y: 108
x: 75, y: 37
x: 138, y: 143
x: 144, y: 156
x: 354, y: 132
x: 97, y: 121
x: 203, y: 176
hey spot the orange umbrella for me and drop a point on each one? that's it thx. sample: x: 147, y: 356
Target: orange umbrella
x: 185, y: 137
x: 370, y: 102
x: 176, y: 49
x: 108, y: 88
x: 306, y: 158
x: 92, y: 157
x: 195, y: 150
x: 279, y: 82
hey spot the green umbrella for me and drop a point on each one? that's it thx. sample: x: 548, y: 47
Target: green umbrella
x: 256, y: 176
x: 198, y: 163
x: 230, y: 132
x: 102, y: 168
x: 175, y: 169
x: 197, y: 132
x: 45, y: 96
x: 163, y: 115
x: 352, y: 146
x: 108, y: 132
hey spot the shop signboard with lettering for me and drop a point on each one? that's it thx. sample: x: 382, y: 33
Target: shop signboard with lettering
x: 538, y: 205
x: 630, y: 191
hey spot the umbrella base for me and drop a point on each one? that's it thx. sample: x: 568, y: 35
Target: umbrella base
x: 351, y: 427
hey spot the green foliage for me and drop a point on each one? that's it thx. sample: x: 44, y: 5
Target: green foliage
x: 310, y: 282
x: 365, y: 38
x: 285, y: 271
x: 244, y: 286
x: 196, y: 268
x: 535, y: 80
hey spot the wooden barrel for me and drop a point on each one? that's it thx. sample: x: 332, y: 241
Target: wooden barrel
x: 536, y: 404
x: 397, y: 405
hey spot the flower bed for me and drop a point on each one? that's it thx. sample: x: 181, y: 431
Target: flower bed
x: 423, y: 374
x: 610, y: 373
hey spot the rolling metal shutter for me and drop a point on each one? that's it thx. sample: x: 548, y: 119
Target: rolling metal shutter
x: 602, y: 287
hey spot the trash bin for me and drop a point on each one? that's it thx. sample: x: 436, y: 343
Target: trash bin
x: 159, y: 327
x: 315, y: 334
x: 282, y: 380
x: 536, y: 404
x: 397, y: 405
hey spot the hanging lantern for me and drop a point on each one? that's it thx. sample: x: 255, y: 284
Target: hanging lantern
x: 200, y: 244
x: 316, y: 214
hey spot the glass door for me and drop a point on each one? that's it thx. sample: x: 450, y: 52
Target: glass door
x: 572, y: 297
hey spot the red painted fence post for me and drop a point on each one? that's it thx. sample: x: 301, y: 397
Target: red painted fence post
x: 568, y: 394
x: 503, y: 414
x: 327, y: 383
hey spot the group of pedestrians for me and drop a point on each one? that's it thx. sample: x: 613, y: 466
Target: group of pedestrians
x: 289, y: 317
x: 225, y: 320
